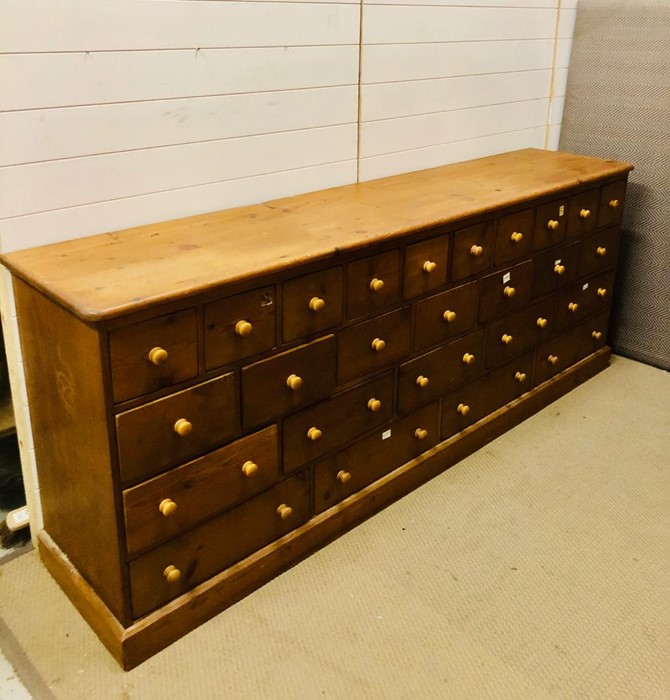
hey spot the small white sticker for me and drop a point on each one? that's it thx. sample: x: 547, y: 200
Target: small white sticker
x: 386, y: 434
x: 557, y: 262
x: 561, y: 210
x: 507, y: 277
x: 585, y: 287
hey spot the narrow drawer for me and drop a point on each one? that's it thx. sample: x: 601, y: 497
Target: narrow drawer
x: 373, y: 345
x: 445, y: 315
x: 367, y: 460
x: 288, y: 381
x: 583, y: 213
x: 550, y: 224
x: 312, y: 303
x: 612, y: 198
x: 185, y: 561
x: 514, y: 334
x: 166, y: 505
x: 169, y: 431
x: 503, y: 292
x: 311, y: 433
x: 429, y: 376
x: 425, y: 266
x: 599, y: 251
x: 514, y: 236
x: 153, y: 354
x: 473, y: 250
x: 556, y: 269
x: 373, y: 284
x: 239, y: 326
x: 584, y: 299
x: 477, y: 399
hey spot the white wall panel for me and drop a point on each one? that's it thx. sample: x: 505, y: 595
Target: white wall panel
x: 473, y: 3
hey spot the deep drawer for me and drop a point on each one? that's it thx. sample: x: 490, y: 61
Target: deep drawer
x: 550, y: 224
x: 425, y: 266
x: 583, y: 213
x: 505, y: 291
x: 612, y: 198
x: 556, y: 269
x: 599, y: 251
x: 584, y: 299
x: 514, y: 236
x: 373, y: 284
x: 473, y: 250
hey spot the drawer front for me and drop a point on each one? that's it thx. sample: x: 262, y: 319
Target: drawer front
x: 170, y: 431
x: 239, y: 326
x: 312, y: 303
x: 583, y: 213
x: 182, y: 563
x: 445, y: 315
x: 599, y: 251
x: 584, y: 299
x: 288, y: 381
x: 514, y: 334
x: 476, y: 400
x: 425, y: 266
x: 514, y: 236
x: 550, y: 224
x: 433, y: 374
x: 373, y: 345
x: 171, y: 503
x: 348, y: 471
x: 612, y: 198
x: 311, y: 433
x: 473, y: 250
x: 153, y: 354
x: 373, y: 284
x: 556, y: 269
x: 505, y: 291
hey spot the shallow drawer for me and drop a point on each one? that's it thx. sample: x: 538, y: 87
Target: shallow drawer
x: 505, y: 291
x: 180, y: 564
x: 516, y: 333
x: 311, y: 433
x: 433, y: 374
x: 476, y: 400
x: 373, y: 345
x: 445, y: 315
x: 288, y: 381
x: 514, y: 236
x: 175, y: 501
x: 473, y: 250
x: 612, y: 198
x: 599, y: 251
x: 348, y: 471
x: 583, y: 213
x: 239, y: 326
x: 550, y: 224
x: 153, y: 354
x: 171, y: 430
x: 312, y: 303
x: 584, y: 299
x: 425, y: 266
x: 556, y: 269
x: 373, y: 284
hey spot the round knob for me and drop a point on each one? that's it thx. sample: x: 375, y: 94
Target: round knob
x: 584, y: 213
x: 294, y: 382
x: 167, y: 507
x: 376, y: 285
x: 316, y: 304
x: 158, y: 356
x: 449, y: 316
x: 520, y: 377
x: 378, y: 344
x: 422, y: 381
x: 343, y: 476
x: 573, y: 306
x: 506, y: 339
x: 614, y: 203
x: 476, y: 251
x: 602, y: 292
x: 468, y: 358
x: 516, y: 237
x: 429, y: 266
x: 541, y: 322
x: 183, y: 427
x: 374, y: 405
x: 243, y: 328
x: 249, y: 468
x: 552, y: 224
x: 314, y: 434
x: 552, y: 359
x: 172, y: 574
x: 284, y: 511
x: 463, y: 409
x: 509, y: 292
x: 559, y: 269
x: 601, y: 251
x: 596, y: 335
x: 420, y: 434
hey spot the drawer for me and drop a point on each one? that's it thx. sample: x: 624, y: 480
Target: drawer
x: 556, y: 268
x: 612, y: 198
x: 599, y: 251
x: 312, y: 303
x: 170, y: 431
x: 171, y: 503
x: 182, y: 563
x: 550, y: 224
x: 476, y: 400
x: 373, y: 284
x: 154, y: 354
x: 516, y: 333
x: 429, y: 376
x: 514, y: 236
x: 564, y: 350
x: 473, y: 250
x: 367, y: 460
x: 373, y: 345
x: 239, y: 326
x: 583, y: 213
x: 505, y: 291
x: 445, y: 315
x: 311, y: 433
x: 288, y: 381
x: 425, y: 266
x: 584, y: 299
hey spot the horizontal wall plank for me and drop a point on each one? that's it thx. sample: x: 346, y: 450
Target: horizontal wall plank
x: 35, y: 81
x: 566, y: 23
x: 26, y: 189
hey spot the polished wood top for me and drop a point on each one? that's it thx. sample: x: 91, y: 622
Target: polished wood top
x: 111, y: 274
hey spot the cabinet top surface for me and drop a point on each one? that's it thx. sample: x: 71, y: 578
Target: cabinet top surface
x: 111, y: 274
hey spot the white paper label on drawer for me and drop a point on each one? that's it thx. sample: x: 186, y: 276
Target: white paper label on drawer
x: 557, y: 262
x: 585, y: 287
x: 386, y: 435
x: 507, y: 277
x: 561, y: 210
x: 267, y: 300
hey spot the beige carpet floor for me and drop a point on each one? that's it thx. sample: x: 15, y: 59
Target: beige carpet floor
x: 536, y: 568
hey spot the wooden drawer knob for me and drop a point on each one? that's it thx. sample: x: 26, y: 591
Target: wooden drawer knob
x: 243, y: 328
x: 520, y: 377
x: 509, y: 292
x: 374, y: 405
x: 284, y: 511
x: 167, y: 507
x: 429, y: 266
x: 294, y: 382
x: 449, y: 316
x: 602, y: 292
x: 476, y: 251
x: 249, y: 468
x: 468, y: 358
x: 516, y: 237
x: 314, y: 434
x: 596, y: 335
x: 420, y: 434
x: 463, y: 409
x: 613, y: 203
x: 552, y: 359
x: 559, y: 269
x: 316, y: 303
x: 601, y: 251
x: 378, y: 344
x: 422, y: 381
x: 573, y: 306
x: 158, y: 356
x: 584, y: 213
x: 183, y: 427
x: 506, y: 339
x: 376, y: 285
x: 552, y: 224
x: 343, y: 476
x: 172, y: 574
x: 541, y: 322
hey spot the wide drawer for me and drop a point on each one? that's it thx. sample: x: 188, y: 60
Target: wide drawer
x: 556, y: 269
x: 169, y: 431
x: 612, y: 199
x: 373, y: 284
x: 175, y: 501
x: 425, y: 266
x: 505, y: 291
x: 583, y: 213
x: 584, y: 299
x: 550, y: 224
x: 599, y: 251
x: 514, y: 236
x: 182, y: 563
x: 473, y: 250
